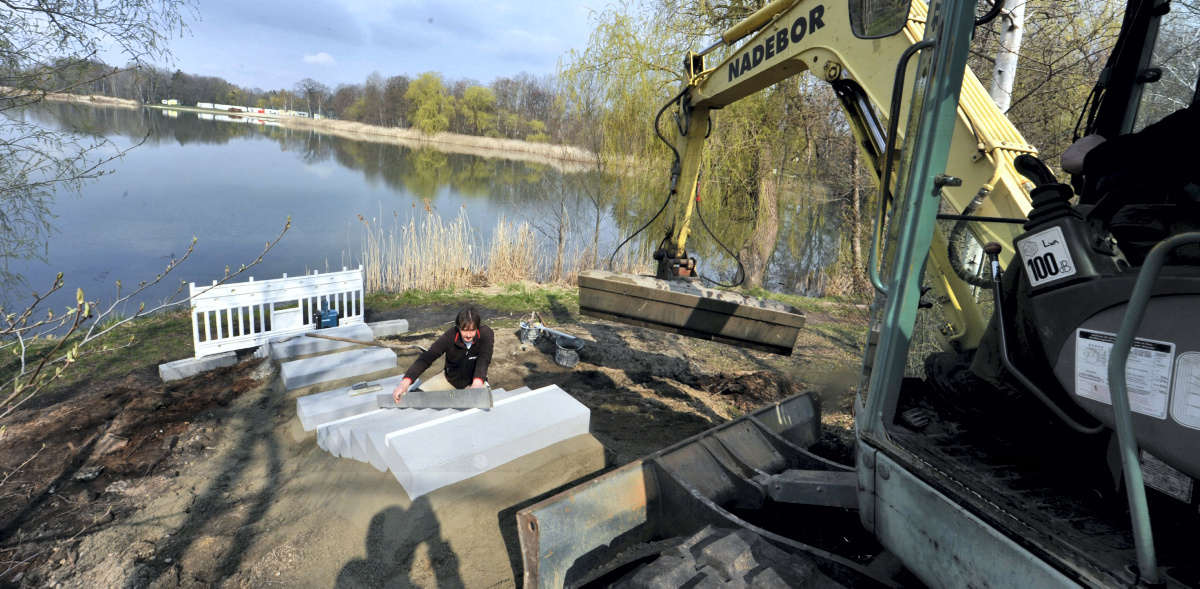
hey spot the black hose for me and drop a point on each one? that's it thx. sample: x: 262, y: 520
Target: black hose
x: 741, y: 268
x: 991, y: 15
x: 675, y: 171
x: 958, y: 239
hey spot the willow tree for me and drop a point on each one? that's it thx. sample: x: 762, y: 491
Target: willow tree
x: 610, y: 92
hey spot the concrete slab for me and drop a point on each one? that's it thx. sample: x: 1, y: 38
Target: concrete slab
x: 193, y: 366
x: 329, y: 435
x: 364, y: 438
x: 318, y: 369
x: 314, y: 410
x: 456, y: 447
x: 374, y: 439
x: 301, y: 345
x: 389, y: 328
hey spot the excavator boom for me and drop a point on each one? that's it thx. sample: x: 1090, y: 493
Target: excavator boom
x: 817, y: 36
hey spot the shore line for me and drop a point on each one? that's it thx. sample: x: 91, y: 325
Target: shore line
x: 564, y: 158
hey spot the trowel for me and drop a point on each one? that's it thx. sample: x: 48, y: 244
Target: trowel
x: 480, y: 398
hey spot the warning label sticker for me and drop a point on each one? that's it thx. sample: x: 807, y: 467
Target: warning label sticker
x: 1147, y: 373
x: 1162, y: 476
x: 1046, y: 257
x: 1185, y: 401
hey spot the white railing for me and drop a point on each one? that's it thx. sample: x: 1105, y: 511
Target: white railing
x: 247, y: 314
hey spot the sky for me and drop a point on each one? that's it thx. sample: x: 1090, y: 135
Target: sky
x: 272, y: 44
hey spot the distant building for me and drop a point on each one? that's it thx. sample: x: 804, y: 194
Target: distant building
x: 171, y: 102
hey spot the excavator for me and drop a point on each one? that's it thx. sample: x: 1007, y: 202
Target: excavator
x: 1053, y: 441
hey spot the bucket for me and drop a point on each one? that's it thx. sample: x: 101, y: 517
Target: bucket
x: 567, y: 354
x: 528, y: 335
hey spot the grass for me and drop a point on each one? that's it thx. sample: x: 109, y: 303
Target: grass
x: 557, y: 303
x: 144, y: 342
x: 807, y: 304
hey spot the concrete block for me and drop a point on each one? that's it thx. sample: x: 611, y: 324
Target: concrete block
x: 389, y: 328
x: 290, y: 347
x: 348, y: 364
x: 329, y: 435
x: 364, y: 439
x: 458, y: 446
x: 374, y: 439
x: 193, y: 366
x: 320, y: 408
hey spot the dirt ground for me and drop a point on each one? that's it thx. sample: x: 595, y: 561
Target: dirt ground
x: 208, y: 481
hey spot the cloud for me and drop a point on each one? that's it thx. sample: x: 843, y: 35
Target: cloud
x: 321, y: 58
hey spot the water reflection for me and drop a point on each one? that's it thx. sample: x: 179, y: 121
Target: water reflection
x: 233, y: 182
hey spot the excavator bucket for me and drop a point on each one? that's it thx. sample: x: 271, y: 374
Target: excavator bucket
x: 691, y: 310
x: 625, y: 518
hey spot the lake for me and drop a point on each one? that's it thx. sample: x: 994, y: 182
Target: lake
x: 233, y: 184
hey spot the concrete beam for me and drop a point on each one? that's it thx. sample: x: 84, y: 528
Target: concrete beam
x: 456, y: 447
x: 193, y: 366
x: 301, y: 345
x: 389, y: 328
x: 320, y: 408
x: 348, y: 364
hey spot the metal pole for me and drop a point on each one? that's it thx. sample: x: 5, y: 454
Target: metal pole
x: 1143, y: 538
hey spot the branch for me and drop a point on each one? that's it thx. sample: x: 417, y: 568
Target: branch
x: 83, y: 312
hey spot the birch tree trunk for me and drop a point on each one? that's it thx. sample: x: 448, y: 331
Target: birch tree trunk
x: 1003, y: 75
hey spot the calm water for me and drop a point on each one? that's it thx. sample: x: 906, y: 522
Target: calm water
x: 232, y: 185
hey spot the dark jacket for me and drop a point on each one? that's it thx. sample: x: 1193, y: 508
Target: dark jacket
x: 462, y: 365
x: 1161, y: 149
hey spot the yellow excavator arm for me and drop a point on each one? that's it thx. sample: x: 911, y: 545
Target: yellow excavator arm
x: 790, y: 37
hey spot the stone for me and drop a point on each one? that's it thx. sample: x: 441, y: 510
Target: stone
x: 666, y: 572
x: 389, y: 328
x: 180, y: 369
x: 730, y: 555
x: 286, y: 348
x: 348, y: 364
x: 461, y: 444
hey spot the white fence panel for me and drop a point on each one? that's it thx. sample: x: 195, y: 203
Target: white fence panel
x: 247, y: 314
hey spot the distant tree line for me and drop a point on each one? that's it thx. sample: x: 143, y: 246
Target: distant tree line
x: 524, y: 106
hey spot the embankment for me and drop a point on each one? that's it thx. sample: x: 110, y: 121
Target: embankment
x: 563, y: 157
x: 92, y: 99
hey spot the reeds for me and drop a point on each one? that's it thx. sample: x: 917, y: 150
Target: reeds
x: 512, y: 255
x: 426, y: 252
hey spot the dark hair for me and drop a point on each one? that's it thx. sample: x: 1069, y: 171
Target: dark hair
x: 468, y: 317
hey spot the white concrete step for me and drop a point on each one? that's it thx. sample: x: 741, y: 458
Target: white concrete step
x: 302, y: 345
x: 320, y: 408
x: 373, y: 439
x: 348, y: 364
x: 348, y: 437
x: 458, y: 446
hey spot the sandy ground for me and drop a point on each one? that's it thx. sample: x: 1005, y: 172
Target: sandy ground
x: 210, y: 481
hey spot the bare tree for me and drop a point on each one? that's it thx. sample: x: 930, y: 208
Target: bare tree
x: 314, y: 92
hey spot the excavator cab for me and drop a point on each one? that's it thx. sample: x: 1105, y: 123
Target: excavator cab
x: 1051, y: 443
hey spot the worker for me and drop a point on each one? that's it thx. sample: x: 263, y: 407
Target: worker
x: 1152, y: 150
x: 468, y: 350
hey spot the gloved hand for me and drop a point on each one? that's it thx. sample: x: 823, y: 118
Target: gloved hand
x: 400, y: 389
x: 1072, y: 158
